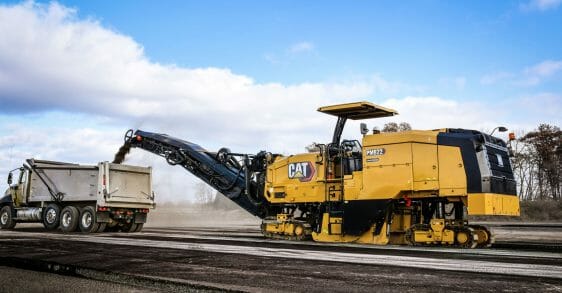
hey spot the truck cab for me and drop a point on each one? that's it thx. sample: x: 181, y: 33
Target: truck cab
x: 17, y: 191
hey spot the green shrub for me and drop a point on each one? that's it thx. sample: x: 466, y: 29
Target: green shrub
x: 541, y: 210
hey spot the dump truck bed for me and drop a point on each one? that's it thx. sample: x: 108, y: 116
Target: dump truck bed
x: 108, y: 184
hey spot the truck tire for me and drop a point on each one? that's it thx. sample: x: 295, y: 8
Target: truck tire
x: 129, y: 228
x: 139, y: 227
x: 51, y: 216
x: 7, y: 218
x: 112, y: 226
x: 69, y: 218
x: 87, y: 222
x: 101, y: 227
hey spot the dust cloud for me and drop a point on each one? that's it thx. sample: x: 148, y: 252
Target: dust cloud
x: 186, y: 214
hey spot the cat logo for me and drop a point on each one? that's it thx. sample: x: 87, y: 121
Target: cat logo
x: 301, y: 170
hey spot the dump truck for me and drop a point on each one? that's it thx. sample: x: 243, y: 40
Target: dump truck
x: 88, y: 198
x: 413, y: 187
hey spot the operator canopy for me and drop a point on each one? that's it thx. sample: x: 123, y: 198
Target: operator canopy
x: 358, y: 110
x: 354, y: 111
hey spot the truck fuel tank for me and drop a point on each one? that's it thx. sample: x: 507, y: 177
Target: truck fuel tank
x: 29, y: 214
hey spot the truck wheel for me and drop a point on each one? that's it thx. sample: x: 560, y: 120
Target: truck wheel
x: 69, y: 218
x: 7, y: 218
x: 128, y: 228
x: 51, y: 216
x: 101, y: 227
x: 87, y: 222
x: 139, y: 227
x: 112, y: 226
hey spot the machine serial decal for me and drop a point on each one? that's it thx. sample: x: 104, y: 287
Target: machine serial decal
x: 376, y: 152
x: 301, y: 170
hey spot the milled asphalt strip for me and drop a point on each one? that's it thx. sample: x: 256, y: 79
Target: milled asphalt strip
x: 530, y: 270
x: 487, y: 252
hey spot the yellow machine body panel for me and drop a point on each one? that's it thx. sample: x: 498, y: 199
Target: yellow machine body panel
x: 419, y: 136
x: 452, y: 177
x: 331, y: 231
x: 387, y: 171
x: 296, y: 179
x: 353, y: 185
x: 425, y: 167
x: 492, y: 204
x: 412, y: 164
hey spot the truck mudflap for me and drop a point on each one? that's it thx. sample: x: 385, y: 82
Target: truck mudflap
x: 103, y: 217
x: 140, y: 218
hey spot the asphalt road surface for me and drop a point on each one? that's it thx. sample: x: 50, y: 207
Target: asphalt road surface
x: 240, y: 259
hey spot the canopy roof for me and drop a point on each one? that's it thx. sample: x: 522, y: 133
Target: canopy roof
x: 358, y: 110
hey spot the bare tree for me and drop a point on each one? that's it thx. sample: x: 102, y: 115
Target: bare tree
x: 404, y: 126
x: 390, y: 127
x: 538, y: 163
x: 523, y: 167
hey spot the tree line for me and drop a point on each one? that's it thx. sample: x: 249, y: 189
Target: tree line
x: 537, y: 163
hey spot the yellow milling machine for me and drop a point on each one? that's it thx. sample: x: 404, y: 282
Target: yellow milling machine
x: 411, y: 187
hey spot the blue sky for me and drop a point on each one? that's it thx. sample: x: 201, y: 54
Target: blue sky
x: 74, y: 75
x: 423, y: 43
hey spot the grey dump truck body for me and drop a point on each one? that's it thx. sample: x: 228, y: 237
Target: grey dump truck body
x: 90, y: 198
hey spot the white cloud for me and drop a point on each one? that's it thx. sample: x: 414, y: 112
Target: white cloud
x: 432, y: 112
x: 495, y: 77
x: 271, y: 58
x: 301, y: 47
x: 78, y: 65
x: 289, y: 54
x: 545, y: 68
x: 536, y: 74
x: 547, y: 106
x: 530, y: 76
x: 458, y: 82
x: 540, y: 5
